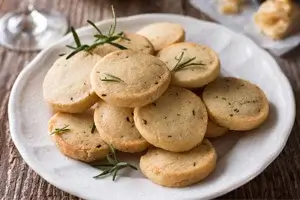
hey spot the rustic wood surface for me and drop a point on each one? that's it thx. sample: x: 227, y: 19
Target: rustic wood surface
x: 281, y: 180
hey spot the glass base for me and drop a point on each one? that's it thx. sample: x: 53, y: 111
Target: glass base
x: 33, y: 31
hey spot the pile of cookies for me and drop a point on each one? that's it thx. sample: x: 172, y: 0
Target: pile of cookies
x: 142, y: 98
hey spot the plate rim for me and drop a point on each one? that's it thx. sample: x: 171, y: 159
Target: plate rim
x: 12, y: 108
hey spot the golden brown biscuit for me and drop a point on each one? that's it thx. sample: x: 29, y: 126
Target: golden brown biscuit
x: 116, y: 127
x: 179, y: 169
x: 130, y: 79
x: 214, y: 130
x: 192, y: 65
x: 235, y: 103
x: 67, y: 85
x: 163, y: 34
x: 176, y: 121
x: 79, y: 141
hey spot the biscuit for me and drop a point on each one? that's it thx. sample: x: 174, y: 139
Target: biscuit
x: 203, y: 68
x: 177, y: 121
x: 163, y: 34
x: 130, y: 79
x: 136, y: 42
x: 67, y: 87
x: 79, y: 142
x: 172, y: 169
x: 235, y: 103
x: 214, y: 130
x: 116, y: 127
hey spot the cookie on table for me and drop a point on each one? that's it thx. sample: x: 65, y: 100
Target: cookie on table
x: 67, y: 86
x: 214, y: 130
x: 192, y: 65
x: 80, y: 141
x: 116, y: 127
x: 127, y: 78
x: 177, y: 121
x: 235, y: 103
x: 135, y: 42
x: 173, y: 169
x: 163, y: 34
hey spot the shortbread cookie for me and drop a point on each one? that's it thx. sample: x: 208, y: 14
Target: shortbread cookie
x: 177, y: 121
x: 163, y: 34
x: 116, y: 127
x: 214, y: 130
x: 67, y: 85
x: 130, y: 79
x: 192, y: 65
x: 135, y: 42
x: 179, y: 169
x: 236, y: 103
x: 80, y: 140
x: 278, y: 18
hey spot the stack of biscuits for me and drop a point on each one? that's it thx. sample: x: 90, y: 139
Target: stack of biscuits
x: 162, y: 94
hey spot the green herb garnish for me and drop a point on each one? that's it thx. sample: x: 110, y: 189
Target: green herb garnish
x: 60, y: 130
x: 179, y: 66
x: 93, y: 128
x: 100, y: 38
x: 113, y: 166
x: 111, y: 78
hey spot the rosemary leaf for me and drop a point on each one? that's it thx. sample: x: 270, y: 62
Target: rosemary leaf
x: 118, y: 45
x: 75, y: 36
x: 113, y: 166
x: 104, y: 173
x: 181, y: 65
x: 110, y: 160
x: 60, y: 130
x: 115, y: 174
x: 94, y: 25
x: 113, y: 27
x: 111, y: 78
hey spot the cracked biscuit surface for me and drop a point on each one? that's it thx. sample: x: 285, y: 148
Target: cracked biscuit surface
x: 176, y: 121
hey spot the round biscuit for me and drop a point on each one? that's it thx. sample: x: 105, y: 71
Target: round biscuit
x: 202, y: 70
x: 214, y: 130
x: 79, y: 142
x: 134, y: 79
x: 235, y: 103
x: 116, y: 127
x: 172, y: 169
x: 176, y: 121
x: 163, y: 34
x: 67, y: 86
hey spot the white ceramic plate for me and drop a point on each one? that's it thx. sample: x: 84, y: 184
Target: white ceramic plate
x: 242, y: 156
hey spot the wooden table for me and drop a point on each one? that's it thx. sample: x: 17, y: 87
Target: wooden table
x: 281, y: 180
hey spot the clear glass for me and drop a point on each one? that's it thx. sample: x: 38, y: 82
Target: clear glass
x: 31, y: 29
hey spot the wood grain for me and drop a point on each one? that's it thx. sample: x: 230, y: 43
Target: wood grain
x: 281, y: 180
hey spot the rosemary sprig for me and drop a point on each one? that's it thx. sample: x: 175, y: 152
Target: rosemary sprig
x: 113, y: 166
x: 60, y: 130
x: 181, y: 65
x: 93, y: 128
x: 111, y: 78
x: 101, y: 38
